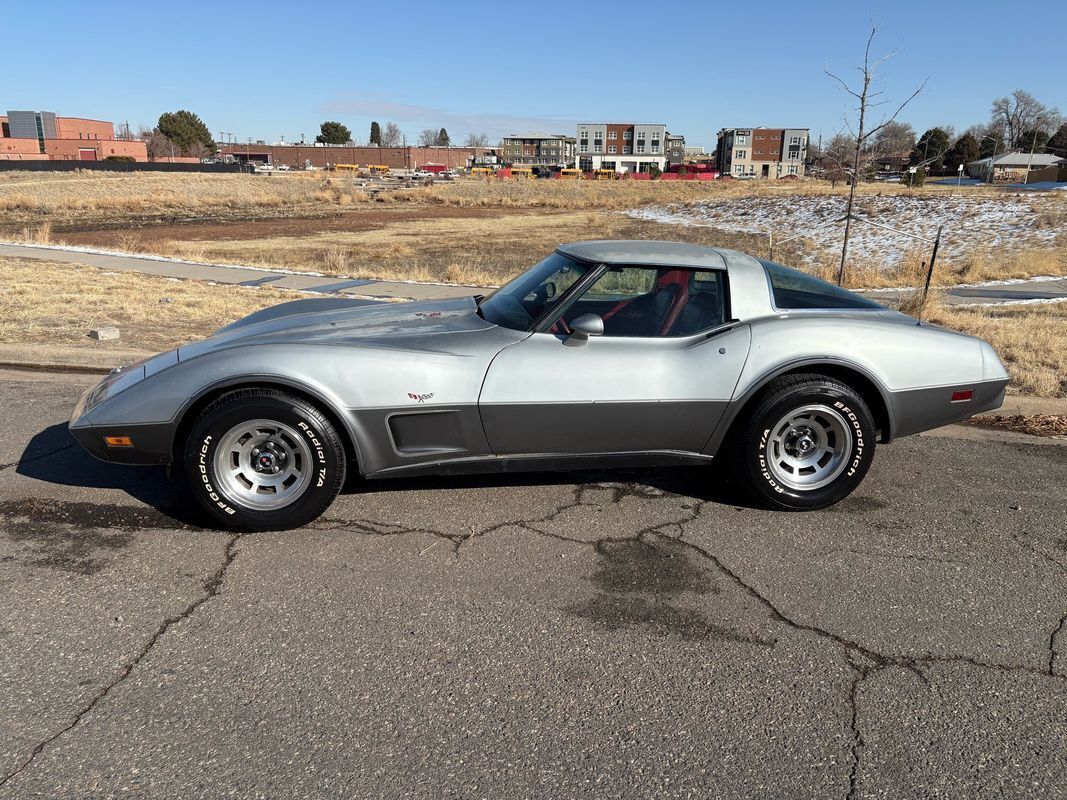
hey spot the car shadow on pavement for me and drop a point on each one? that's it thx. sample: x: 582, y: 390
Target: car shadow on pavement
x: 53, y: 456
x: 697, y: 483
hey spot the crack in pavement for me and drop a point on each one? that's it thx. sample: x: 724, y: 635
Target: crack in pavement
x: 211, y: 585
x: 38, y: 457
x: 1053, y: 653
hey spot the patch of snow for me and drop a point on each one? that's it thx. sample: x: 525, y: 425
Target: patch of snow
x: 1042, y: 301
x: 969, y: 222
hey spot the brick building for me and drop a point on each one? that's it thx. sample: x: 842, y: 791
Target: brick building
x: 299, y: 156
x: 43, y: 136
x: 762, y: 152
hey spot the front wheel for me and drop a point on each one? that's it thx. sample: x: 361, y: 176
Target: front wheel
x: 260, y: 459
x: 807, y: 445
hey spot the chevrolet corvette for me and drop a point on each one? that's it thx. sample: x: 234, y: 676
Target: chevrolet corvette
x: 606, y: 353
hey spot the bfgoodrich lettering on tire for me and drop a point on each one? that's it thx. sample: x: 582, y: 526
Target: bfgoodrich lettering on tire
x: 808, y: 443
x: 260, y: 459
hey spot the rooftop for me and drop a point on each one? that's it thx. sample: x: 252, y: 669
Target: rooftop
x: 663, y: 254
x: 536, y: 135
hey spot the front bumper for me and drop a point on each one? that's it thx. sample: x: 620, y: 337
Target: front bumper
x: 151, y: 443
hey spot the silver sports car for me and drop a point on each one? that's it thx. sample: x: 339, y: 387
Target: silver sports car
x: 605, y: 353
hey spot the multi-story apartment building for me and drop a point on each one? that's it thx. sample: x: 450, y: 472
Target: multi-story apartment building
x: 675, y: 149
x: 544, y: 149
x: 622, y: 146
x: 762, y: 152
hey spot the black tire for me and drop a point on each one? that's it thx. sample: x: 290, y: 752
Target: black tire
x: 318, y: 460
x: 758, y: 457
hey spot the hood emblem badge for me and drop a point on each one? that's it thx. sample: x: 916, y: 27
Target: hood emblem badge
x: 421, y: 398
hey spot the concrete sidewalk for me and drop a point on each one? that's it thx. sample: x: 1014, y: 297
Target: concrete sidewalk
x: 241, y: 276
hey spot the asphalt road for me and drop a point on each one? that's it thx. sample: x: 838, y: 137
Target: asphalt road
x: 642, y: 634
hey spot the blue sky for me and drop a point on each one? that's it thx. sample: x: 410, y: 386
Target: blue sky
x: 268, y: 69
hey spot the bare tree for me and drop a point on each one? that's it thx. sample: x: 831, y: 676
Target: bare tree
x: 865, y: 97
x: 476, y: 140
x: 428, y: 137
x: 158, y: 145
x: 1022, y: 113
x: 895, y: 139
x: 391, y: 136
x: 837, y: 159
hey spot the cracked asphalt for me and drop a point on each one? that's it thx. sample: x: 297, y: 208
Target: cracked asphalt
x: 635, y: 634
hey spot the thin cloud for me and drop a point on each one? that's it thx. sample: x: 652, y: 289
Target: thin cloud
x: 494, y: 125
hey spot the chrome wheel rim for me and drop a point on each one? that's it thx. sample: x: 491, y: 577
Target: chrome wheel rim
x: 809, y: 447
x: 263, y: 464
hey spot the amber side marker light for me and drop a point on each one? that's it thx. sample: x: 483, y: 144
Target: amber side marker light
x: 962, y: 397
x: 118, y: 441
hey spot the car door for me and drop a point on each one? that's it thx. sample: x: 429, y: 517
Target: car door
x: 630, y: 390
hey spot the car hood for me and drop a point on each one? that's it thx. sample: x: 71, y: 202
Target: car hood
x: 347, y: 322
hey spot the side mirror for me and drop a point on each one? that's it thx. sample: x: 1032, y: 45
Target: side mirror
x: 582, y: 328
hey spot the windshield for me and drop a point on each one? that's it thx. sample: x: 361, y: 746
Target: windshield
x: 517, y: 304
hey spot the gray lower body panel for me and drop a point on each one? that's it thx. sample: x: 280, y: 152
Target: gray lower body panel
x: 919, y: 410
x: 520, y: 428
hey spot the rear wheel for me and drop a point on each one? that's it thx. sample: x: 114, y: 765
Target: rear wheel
x: 807, y: 445
x: 260, y: 459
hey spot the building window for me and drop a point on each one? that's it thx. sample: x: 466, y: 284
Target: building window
x: 741, y: 154
x: 627, y: 150
x: 739, y: 169
x: 583, y: 134
x: 792, y: 169
x: 611, y: 148
x: 613, y: 135
x: 655, y: 146
x: 583, y: 148
x: 640, y: 147
x: 640, y: 136
x: 627, y: 135
x: 794, y: 140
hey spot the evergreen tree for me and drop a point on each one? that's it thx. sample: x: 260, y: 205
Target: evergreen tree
x: 375, y: 134
x: 932, y: 147
x: 187, y: 131
x: 1057, y: 145
x: 964, y: 151
x: 333, y: 133
x: 442, y: 138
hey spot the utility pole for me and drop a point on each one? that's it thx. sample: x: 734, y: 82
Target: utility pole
x: 1030, y: 162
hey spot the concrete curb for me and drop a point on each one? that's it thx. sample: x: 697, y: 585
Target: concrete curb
x: 58, y: 358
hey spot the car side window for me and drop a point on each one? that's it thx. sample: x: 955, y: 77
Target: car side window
x: 653, y: 302
x: 794, y: 290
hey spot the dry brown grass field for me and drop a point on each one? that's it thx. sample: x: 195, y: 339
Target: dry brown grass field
x: 57, y: 303
x: 468, y: 232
